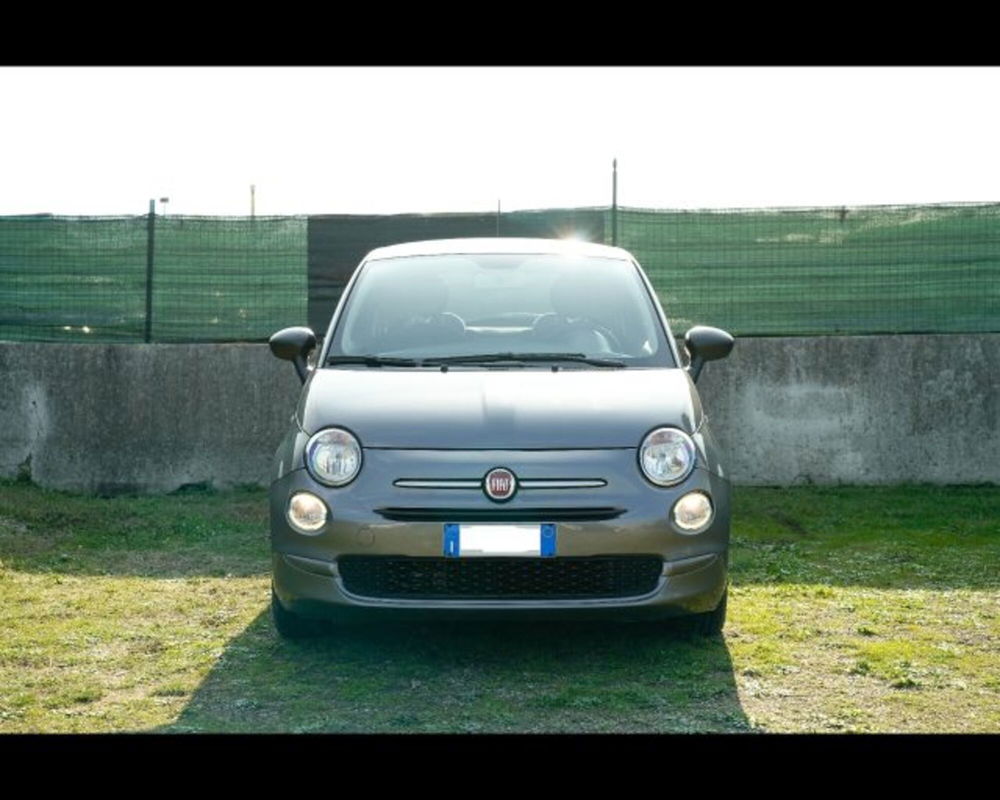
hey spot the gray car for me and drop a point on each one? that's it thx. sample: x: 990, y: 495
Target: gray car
x: 499, y: 428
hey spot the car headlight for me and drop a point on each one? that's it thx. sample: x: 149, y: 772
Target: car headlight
x: 333, y: 457
x: 667, y: 456
x: 693, y: 512
x: 306, y: 512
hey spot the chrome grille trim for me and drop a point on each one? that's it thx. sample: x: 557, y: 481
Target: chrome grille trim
x: 407, y: 483
x: 501, y: 515
x: 550, y: 483
x: 561, y: 483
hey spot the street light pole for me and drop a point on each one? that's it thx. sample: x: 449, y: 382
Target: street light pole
x: 150, y: 239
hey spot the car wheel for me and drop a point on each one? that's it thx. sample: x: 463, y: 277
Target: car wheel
x: 711, y: 622
x: 290, y: 625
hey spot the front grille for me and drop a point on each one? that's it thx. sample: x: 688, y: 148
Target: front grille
x: 488, y: 578
x: 494, y: 514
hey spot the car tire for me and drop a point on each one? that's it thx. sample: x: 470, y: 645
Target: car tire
x: 290, y: 625
x: 711, y: 623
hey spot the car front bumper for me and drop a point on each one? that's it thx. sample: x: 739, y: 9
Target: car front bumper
x: 307, y: 574
x: 315, y: 589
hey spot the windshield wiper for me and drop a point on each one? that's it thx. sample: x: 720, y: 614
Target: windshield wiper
x: 373, y: 361
x: 485, y: 358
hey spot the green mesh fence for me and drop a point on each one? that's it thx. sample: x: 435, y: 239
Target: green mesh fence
x: 213, y: 278
x: 228, y: 279
x: 896, y: 269
x: 72, y: 278
x: 876, y: 269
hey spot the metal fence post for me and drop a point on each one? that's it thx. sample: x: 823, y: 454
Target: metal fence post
x: 150, y: 237
x: 614, y: 202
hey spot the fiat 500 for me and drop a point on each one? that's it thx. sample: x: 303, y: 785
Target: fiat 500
x: 499, y: 428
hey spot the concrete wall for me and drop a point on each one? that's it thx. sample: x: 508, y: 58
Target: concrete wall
x: 111, y: 418
x: 860, y: 409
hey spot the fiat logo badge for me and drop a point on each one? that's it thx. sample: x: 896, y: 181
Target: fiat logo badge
x: 500, y: 484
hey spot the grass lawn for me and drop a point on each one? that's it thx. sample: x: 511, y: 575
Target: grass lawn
x: 851, y: 609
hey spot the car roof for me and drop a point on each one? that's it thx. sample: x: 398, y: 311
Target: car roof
x: 498, y: 245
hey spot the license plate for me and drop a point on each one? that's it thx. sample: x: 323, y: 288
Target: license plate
x: 499, y: 540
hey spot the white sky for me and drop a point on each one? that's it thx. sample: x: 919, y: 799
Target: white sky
x: 385, y: 140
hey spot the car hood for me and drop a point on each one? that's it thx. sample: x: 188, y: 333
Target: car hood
x: 499, y: 409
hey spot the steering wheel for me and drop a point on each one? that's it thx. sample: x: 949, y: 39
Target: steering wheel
x: 584, y: 323
x: 603, y: 330
x: 448, y: 321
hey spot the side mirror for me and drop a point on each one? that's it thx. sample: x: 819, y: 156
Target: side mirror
x: 706, y: 344
x: 294, y: 344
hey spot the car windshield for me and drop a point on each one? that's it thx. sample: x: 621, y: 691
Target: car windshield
x: 501, y: 305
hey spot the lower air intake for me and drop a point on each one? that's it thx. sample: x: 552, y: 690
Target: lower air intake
x: 486, y: 578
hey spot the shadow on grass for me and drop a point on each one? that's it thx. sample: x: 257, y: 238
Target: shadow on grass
x: 469, y: 677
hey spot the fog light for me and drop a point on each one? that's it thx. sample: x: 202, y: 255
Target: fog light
x: 693, y: 512
x: 306, y: 512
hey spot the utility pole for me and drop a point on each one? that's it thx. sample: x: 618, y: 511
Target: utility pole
x: 253, y: 189
x: 498, y: 217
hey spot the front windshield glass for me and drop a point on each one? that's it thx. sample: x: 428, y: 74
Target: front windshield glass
x: 465, y: 305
